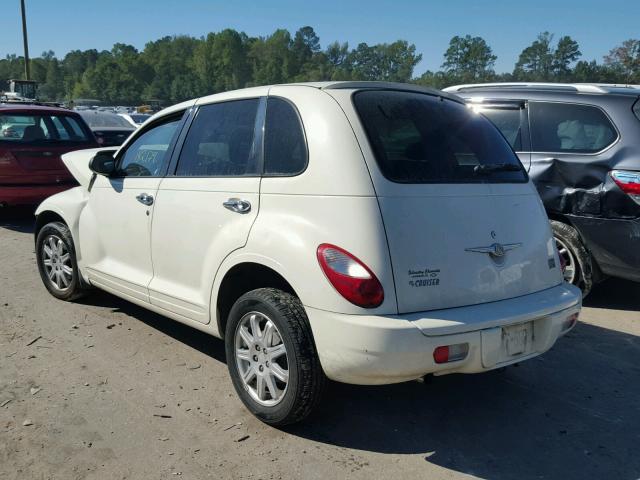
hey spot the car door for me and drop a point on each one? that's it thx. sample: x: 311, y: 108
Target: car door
x: 570, y: 148
x: 207, y: 204
x: 115, y: 225
x: 510, y: 116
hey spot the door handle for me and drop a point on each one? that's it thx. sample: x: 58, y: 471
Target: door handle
x: 145, y: 199
x: 237, y: 205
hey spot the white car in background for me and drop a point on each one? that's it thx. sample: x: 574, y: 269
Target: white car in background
x: 135, y: 119
x: 368, y: 233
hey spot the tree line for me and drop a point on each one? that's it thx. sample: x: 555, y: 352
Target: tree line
x: 177, y: 68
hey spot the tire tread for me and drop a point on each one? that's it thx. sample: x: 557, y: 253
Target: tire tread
x: 311, y: 379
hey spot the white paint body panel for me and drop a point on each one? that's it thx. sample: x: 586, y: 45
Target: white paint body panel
x: 191, y: 236
x: 115, y: 234
x: 173, y: 256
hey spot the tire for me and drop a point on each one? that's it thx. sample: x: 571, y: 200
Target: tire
x: 62, y: 279
x: 296, y: 399
x: 575, y: 255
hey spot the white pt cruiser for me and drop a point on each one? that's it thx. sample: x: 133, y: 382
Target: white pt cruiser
x: 368, y: 233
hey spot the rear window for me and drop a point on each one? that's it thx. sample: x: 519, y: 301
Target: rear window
x: 570, y: 128
x: 100, y: 119
x: 419, y: 138
x: 22, y: 128
x: 139, y: 118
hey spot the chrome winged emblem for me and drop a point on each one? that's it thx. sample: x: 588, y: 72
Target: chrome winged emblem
x: 497, y: 250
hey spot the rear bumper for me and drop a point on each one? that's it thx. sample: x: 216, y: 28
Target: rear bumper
x: 371, y: 350
x: 30, y: 194
x: 614, y: 244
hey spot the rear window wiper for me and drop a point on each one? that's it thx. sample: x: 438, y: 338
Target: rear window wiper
x: 485, y: 168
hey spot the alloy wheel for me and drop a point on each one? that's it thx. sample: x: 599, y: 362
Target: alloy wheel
x: 568, y: 260
x: 56, y: 261
x: 261, y: 358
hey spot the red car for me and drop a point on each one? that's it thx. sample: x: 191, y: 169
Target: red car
x: 32, y: 139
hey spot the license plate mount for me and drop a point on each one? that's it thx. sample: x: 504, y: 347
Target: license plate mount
x: 517, y: 339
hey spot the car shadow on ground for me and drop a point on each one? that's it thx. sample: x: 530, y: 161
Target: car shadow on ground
x: 200, y: 341
x: 572, y: 413
x: 19, y: 219
x: 615, y: 294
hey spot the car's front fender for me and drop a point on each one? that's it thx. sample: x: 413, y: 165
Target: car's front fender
x: 67, y: 205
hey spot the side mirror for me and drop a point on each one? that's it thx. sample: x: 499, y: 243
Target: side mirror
x: 103, y: 163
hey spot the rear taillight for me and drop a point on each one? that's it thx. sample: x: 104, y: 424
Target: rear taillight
x: 350, y: 277
x: 451, y: 353
x: 628, y: 181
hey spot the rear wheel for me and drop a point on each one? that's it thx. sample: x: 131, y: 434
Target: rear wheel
x: 272, y: 358
x: 56, y: 259
x: 575, y: 258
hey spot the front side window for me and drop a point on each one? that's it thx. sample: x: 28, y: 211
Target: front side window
x: 569, y: 128
x: 220, y: 141
x: 508, y: 121
x: 420, y: 138
x: 147, y: 154
x: 285, y: 149
x: 45, y: 129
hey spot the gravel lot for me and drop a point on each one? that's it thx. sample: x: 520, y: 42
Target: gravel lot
x: 111, y: 391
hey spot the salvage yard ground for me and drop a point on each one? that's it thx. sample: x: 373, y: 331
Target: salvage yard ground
x: 103, y: 389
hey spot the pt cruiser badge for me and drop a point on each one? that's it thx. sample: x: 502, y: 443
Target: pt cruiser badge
x: 497, y: 250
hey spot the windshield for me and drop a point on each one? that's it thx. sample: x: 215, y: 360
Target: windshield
x: 102, y: 119
x: 139, y: 118
x: 419, y: 138
x: 28, y: 128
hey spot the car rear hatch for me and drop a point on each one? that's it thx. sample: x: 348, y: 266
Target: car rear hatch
x: 463, y: 223
x: 32, y: 143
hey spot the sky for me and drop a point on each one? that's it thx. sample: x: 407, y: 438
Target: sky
x: 508, y: 26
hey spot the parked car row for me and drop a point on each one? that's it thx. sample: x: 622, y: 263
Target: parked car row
x: 363, y: 232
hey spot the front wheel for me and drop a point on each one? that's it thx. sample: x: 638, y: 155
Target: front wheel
x: 575, y: 258
x: 272, y: 357
x: 56, y: 259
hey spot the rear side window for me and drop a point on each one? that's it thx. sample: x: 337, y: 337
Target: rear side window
x: 508, y: 121
x: 570, y: 128
x: 419, y: 138
x: 28, y: 129
x: 285, y: 149
x: 220, y: 141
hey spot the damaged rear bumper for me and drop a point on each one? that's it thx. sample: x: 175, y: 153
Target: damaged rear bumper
x: 380, y: 349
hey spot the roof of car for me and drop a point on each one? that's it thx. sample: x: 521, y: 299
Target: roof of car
x: 364, y: 85
x: 329, y: 85
x: 32, y: 107
x: 567, y: 88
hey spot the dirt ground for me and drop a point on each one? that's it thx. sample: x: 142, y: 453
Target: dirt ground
x: 102, y: 389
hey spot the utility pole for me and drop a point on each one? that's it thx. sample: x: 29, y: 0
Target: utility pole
x: 27, y: 70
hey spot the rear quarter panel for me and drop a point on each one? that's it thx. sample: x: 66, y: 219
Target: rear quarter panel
x: 332, y: 201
